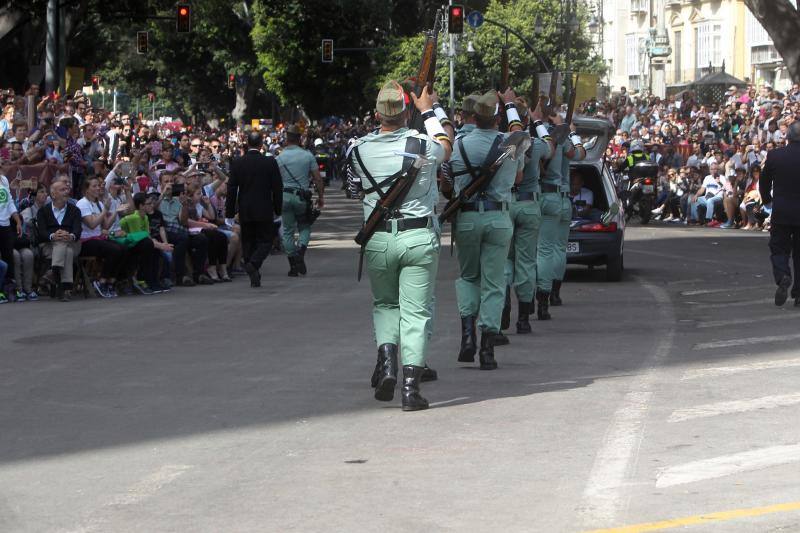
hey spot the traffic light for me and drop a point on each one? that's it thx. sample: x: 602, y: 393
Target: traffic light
x: 231, y: 81
x: 183, y: 17
x: 141, y: 42
x: 95, y: 83
x: 327, y: 50
x: 455, y: 19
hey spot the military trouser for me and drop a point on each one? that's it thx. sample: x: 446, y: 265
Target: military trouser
x: 402, y: 270
x: 550, y: 238
x: 563, y: 237
x: 293, y: 218
x: 482, y: 240
x: 526, y: 216
x: 437, y: 228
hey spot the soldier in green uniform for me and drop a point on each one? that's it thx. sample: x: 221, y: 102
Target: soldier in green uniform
x: 556, y: 216
x: 483, y: 227
x: 402, y: 256
x: 526, y: 215
x: 574, y: 151
x: 298, y: 167
x: 467, y: 114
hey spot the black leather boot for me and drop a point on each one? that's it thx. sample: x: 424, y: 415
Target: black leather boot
x: 385, y: 375
x: 543, y: 299
x: 429, y: 374
x: 555, y: 294
x: 412, y: 400
x: 301, y: 260
x: 293, y: 266
x: 523, y: 326
x: 500, y: 339
x: 505, y: 318
x: 468, y: 340
x: 486, y: 355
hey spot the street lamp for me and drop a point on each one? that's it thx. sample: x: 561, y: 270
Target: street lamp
x: 538, y: 26
x: 470, y: 48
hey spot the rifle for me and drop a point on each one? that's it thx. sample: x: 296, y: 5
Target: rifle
x: 427, y: 68
x: 561, y: 131
x: 504, y: 69
x: 516, y: 143
x: 552, y: 95
x: 386, y: 205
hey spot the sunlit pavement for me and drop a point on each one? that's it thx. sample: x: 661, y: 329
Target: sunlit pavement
x: 673, y: 393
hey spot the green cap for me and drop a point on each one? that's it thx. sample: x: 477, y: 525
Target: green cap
x: 468, y: 104
x: 391, y: 99
x: 487, y: 105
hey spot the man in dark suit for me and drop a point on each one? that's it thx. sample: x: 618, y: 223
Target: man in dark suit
x: 780, y: 185
x: 59, y: 230
x: 256, y: 189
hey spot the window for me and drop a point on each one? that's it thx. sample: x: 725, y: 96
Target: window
x: 708, y: 44
x: 639, y: 6
x: 764, y: 54
x: 632, y: 54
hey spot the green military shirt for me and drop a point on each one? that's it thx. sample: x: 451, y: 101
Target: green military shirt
x: 477, y: 145
x: 296, y: 165
x: 466, y: 129
x: 539, y: 151
x: 553, y: 173
x: 565, y: 185
x: 377, y: 151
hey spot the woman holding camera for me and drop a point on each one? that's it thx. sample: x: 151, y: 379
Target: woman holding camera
x: 200, y: 213
x: 97, y: 218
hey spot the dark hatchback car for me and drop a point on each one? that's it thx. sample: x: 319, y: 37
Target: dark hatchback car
x: 597, y: 237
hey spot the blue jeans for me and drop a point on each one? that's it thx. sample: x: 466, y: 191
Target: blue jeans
x: 3, y: 268
x: 710, y: 204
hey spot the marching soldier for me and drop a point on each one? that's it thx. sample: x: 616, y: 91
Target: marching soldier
x: 556, y: 217
x: 483, y: 227
x: 526, y: 215
x: 467, y: 115
x: 402, y: 256
x: 298, y: 167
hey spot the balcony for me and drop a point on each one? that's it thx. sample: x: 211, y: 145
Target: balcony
x: 639, y: 7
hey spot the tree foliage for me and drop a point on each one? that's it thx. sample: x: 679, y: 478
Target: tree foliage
x: 781, y: 19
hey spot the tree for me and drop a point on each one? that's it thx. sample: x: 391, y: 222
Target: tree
x: 481, y: 70
x: 781, y: 19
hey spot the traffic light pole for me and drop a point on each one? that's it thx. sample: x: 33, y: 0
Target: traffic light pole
x: 51, y: 72
x: 451, y: 51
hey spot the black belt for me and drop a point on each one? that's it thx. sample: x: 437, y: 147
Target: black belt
x: 404, y: 224
x: 525, y: 195
x: 546, y: 187
x: 488, y: 205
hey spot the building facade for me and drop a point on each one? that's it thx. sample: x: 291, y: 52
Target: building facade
x: 703, y: 34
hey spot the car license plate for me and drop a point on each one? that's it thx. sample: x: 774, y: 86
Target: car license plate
x: 573, y: 247
x: 648, y: 189
x: 323, y: 174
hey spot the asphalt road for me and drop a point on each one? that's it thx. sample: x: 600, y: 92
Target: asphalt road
x: 672, y: 394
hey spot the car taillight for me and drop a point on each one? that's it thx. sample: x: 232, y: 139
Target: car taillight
x: 648, y: 181
x: 598, y: 227
x: 322, y: 166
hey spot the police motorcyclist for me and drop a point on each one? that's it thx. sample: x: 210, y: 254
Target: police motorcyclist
x: 636, y: 154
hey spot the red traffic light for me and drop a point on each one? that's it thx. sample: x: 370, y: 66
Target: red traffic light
x: 183, y: 18
x: 455, y: 19
x: 95, y: 83
x: 231, y: 81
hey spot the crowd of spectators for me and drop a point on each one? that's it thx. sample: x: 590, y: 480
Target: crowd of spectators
x: 709, y: 155
x: 139, y: 206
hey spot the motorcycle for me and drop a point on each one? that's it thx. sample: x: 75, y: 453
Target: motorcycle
x: 324, y: 165
x: 639, y: 189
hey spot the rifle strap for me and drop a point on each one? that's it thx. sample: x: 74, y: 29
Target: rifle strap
x: 413, y: 146
x: 475, y: 173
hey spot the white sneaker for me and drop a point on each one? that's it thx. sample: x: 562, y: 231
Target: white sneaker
x: 657, y: 210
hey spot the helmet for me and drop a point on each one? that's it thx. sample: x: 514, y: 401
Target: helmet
x: 637, y: 146
x: 317, y: 142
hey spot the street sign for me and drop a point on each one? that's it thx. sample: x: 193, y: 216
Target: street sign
x: 475, y: 18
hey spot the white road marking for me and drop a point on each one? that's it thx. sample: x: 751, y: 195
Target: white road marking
x: 445, y: 402
x: 734, y: 406
x: 726, y: 465
x: 738, y: 369
x: 602, y: 497
x: 746, y: 341
x: 728, y: 289
x: 720, y: 305
x: 739, y: 321
x: 149, y: 485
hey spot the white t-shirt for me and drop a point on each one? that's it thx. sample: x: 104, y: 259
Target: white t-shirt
x: 87, y: 209
x: 7, y: 206
x: 586, y: 195
x: 712, y: 186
